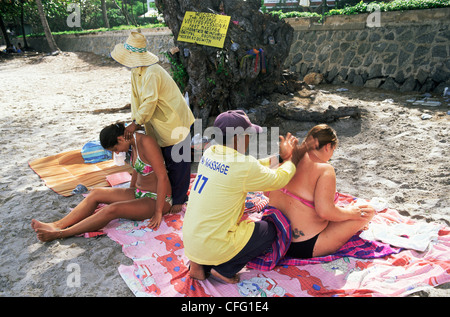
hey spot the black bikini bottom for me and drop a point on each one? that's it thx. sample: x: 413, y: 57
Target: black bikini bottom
x: 302, y: 249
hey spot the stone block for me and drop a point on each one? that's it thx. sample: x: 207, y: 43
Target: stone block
x: 421, y: 51
x: 297, y: 58
x: 375, y: 71
x: 389, y: 84
x: 373, y: 83
x: 332, y: 73
x: 439, y: 51
x: 374, y: 37
x: 379, y: 47
x: 409, y: 85
x: 348, y: 58
x: 358, y: 81
x: 403, y: 58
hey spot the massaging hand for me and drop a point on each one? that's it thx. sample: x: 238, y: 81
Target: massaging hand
x: 287, y: 146
x: 129, y: 130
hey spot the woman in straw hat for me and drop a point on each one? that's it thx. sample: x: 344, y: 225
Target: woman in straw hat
x: 158, y: 105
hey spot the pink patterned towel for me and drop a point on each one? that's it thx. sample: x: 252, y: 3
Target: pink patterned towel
x: 160, y: 267
x: 355, y: 247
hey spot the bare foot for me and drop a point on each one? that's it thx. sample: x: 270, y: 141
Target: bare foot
x: 175, y: 209
x: 46, y: 231
x: 232, y: 280
x: 35, y: 224
x: 196, y: 271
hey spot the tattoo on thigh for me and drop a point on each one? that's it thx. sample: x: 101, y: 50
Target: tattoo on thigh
x: 297, y: 233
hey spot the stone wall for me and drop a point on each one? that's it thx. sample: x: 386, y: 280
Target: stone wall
x: 159, y: 40
x: 405, y: 50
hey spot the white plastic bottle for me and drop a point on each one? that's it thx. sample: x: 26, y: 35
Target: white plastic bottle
x: 119, y: 159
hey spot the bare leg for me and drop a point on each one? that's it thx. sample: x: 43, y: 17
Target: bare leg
x: 82, y: 219
x: 336, y: 234
x: 87, y: 207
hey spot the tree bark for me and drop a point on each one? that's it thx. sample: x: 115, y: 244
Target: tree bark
x: 326, y: 116
x: 231, y: 77
x: 4, y: 32
x: 105, y: 16
x: 48, y: 33
x: 22, y: 24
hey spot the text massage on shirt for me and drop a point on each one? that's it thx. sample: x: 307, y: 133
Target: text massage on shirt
x: 215, y: 166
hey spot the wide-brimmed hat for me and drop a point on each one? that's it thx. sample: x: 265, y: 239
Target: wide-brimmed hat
x: 235, y: 119
x: 134, y: 52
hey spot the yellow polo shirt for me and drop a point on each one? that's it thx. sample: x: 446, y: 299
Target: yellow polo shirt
x: 157, y: 103
x: 212, y: 230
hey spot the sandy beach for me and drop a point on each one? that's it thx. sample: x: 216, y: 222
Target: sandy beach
x: 47, y: 106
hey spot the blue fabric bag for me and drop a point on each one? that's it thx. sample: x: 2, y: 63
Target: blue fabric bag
x: 93, y: 152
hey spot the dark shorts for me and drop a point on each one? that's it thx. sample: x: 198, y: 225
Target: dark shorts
x: 303, y: 249
x: 262, y: 238
x: 179, y: 173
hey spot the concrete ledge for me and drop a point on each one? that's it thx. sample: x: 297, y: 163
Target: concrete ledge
x: 359, y: 21
x: 159, y: 41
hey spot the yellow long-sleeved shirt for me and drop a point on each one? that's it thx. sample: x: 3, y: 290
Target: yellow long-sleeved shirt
x: 157, y: 103
x: 212, y: 230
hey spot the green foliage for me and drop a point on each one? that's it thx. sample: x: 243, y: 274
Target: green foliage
x: 362, y: 7
x: 293, y: 14
x: 179, y: 73
x: 395, y: 5
x: 115, y: 28
x: 57, y: 13
x: 223, y: 61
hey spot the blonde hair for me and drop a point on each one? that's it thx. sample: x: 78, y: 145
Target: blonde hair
x: 324, y: 134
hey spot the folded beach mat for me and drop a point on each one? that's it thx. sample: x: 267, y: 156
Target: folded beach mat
x: 63, y: 172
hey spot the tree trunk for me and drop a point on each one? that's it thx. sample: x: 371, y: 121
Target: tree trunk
x: 4, y: 32
x: 231, y: 77
x: 132, y: 14
x: 48, y: 33
x: 105, y: 16
x: 25, y: 44
x: 125, y: 11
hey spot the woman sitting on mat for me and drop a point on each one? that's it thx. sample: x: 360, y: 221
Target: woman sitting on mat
x: 148, y: 197
x: 319, y: 227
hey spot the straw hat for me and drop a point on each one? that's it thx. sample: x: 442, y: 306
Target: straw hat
x: 134, y: 52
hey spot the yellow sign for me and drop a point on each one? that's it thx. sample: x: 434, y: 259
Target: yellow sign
x: 204, y: 28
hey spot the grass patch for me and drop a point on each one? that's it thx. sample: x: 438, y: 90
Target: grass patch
x: 396, y: 5
x: 115, y: 28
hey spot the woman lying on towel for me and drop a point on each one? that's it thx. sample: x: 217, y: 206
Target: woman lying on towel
x: 319, y: 227
x: 149, y: 195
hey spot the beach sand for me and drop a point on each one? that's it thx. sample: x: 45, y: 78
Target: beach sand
x: 47, y: 107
